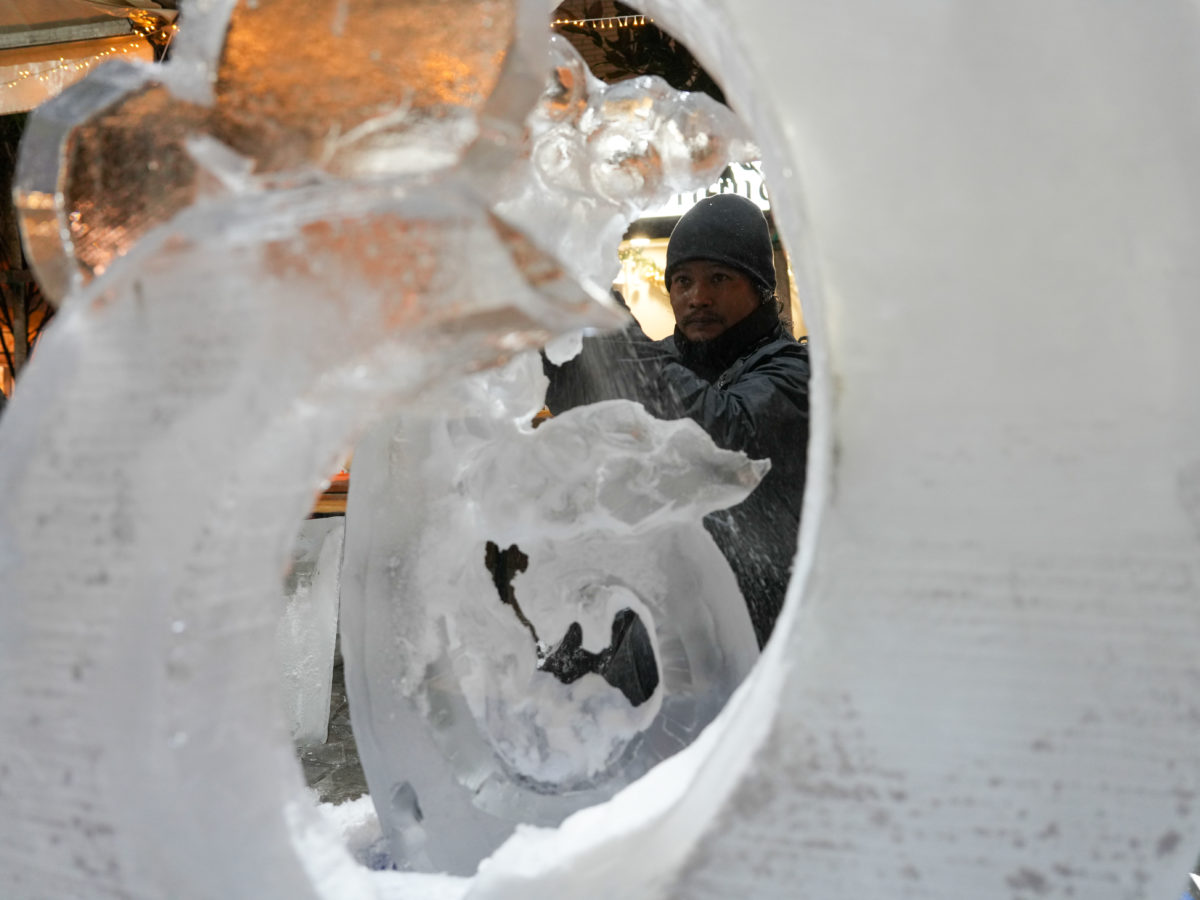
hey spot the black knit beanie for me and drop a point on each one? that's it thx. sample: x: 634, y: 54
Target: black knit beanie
x: 727, y: 229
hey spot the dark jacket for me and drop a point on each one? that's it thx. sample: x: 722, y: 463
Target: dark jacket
x: 748, y: 389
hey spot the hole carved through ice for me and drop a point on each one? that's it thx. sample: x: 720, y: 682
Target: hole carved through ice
x: 594, y: 631
x: 627, y: 663
x: 504, y: 565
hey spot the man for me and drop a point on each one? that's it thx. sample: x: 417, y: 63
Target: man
x: 731, y: 367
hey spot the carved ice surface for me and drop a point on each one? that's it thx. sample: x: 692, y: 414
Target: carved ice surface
x: 295, y: 87
x: 480, y: 555
x: 307, y: 632
x: 171, y: 431
x: 600, y: 154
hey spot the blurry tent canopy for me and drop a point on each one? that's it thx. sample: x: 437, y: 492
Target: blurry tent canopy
x: 47, y: 45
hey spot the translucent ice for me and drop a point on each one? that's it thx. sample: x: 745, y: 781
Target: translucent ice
x: 199, y: 392
x: 999, y: 617
x: 299, y: 91
x: 307, y: 629
x: 209, y: 365
x: 532, y: 618
x: 600, y: 154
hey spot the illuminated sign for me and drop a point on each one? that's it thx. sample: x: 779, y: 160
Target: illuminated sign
x: 747, y: 181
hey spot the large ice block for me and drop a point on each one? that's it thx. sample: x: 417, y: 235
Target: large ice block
x: 532, y: 618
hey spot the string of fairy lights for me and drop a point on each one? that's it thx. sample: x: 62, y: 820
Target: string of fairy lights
x: 605, y: 22
x: 159, y: 37
x: 162, y: 35
x: 73, y: 65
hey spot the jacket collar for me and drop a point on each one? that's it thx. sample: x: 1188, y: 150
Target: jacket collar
x: 726, y: 348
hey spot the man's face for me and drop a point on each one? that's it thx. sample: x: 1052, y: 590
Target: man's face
x: 708, y: 297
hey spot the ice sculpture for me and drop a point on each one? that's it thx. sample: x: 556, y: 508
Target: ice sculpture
x: 294, y: 88
x: 188, y: 459
x: 600, y: 154
x: 984, y: 681
x: 496, y: 581
x: 306, y: 636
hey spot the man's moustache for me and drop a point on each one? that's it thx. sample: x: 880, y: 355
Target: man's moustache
x: 702, y: 319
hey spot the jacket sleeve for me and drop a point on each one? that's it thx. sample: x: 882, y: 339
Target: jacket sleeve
x: 621, y: 365
x: 753, y: 414
x: 766, y: 406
